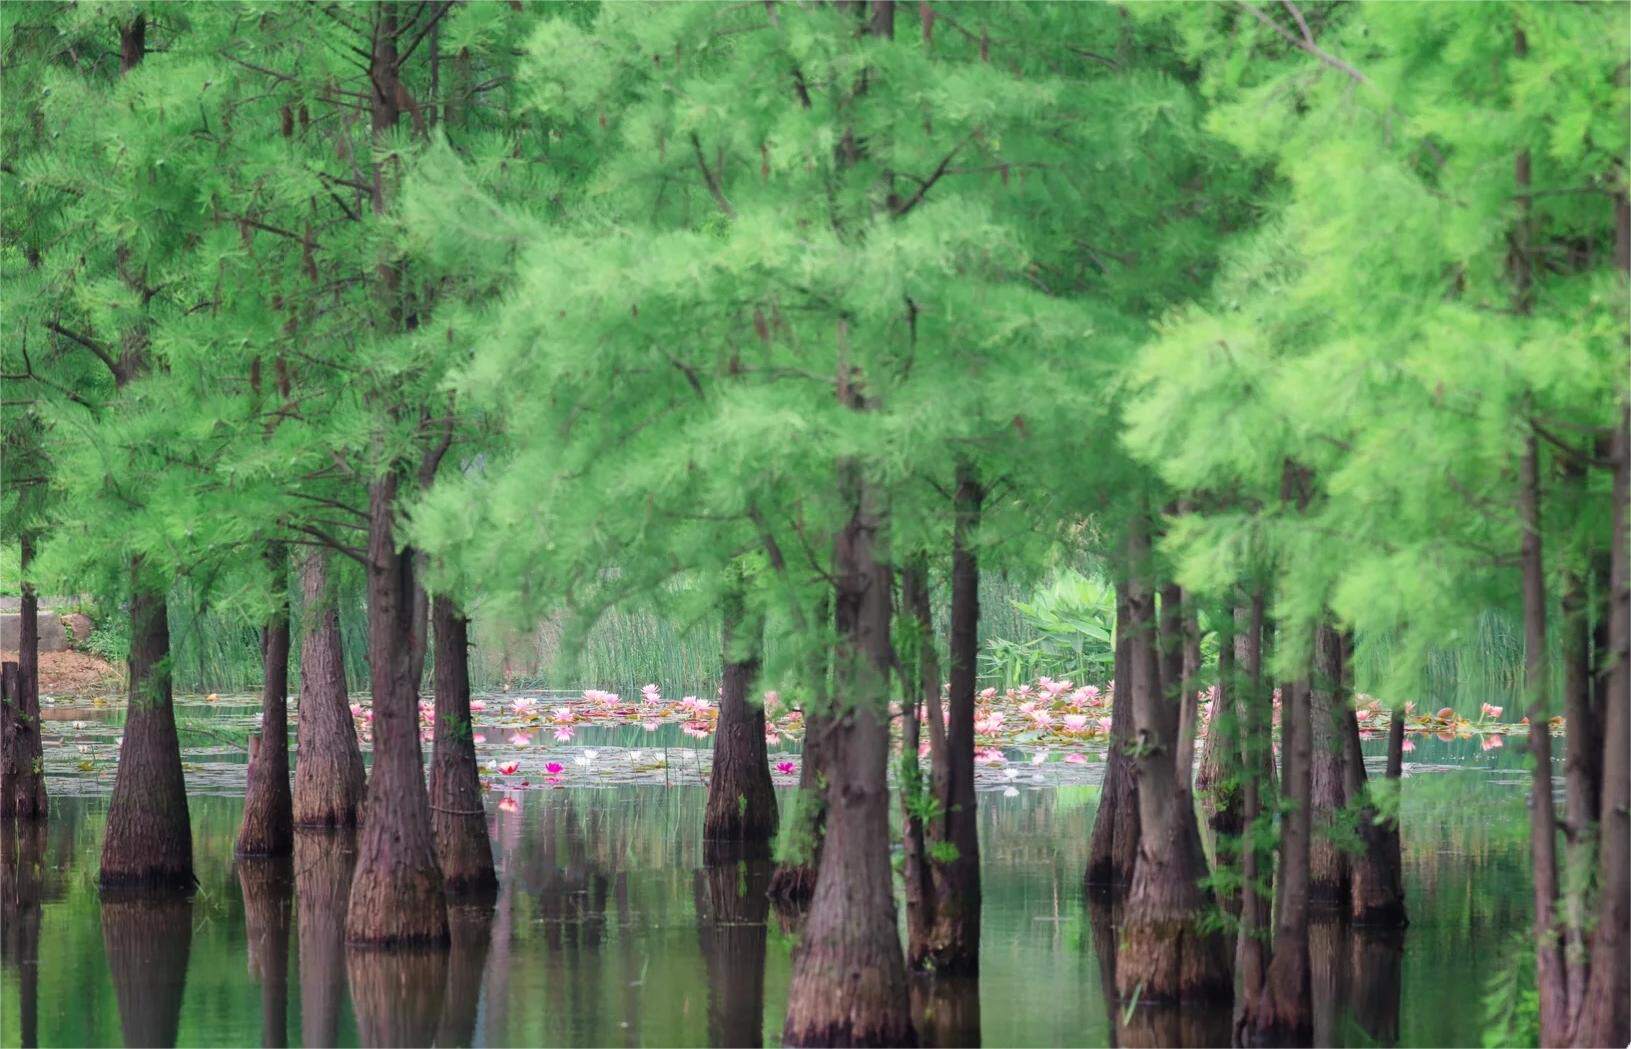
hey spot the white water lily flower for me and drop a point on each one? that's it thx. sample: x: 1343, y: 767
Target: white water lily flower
x: 1040, y: 756
x: 590, y: 755
x: 492, y: 766
x: 580, y: 760
x: 636, y: 755
x: 1010, y: 773
x: 78, y: 725
x: 1010, y: 792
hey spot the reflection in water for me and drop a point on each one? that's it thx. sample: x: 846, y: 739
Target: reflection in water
x: 946, y: 1010
x: 1103, y: 915
x: 22, y: 891
x: 732, y: 903
x: 470, y: 926
x: 323, y: 862
x: 268, y: 888
x: 614, y: 927
x: 397, y: 994
x: 148, y: 940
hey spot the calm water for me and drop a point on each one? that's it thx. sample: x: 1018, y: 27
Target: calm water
x: 611, y: 929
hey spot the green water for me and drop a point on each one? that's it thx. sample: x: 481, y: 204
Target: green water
x: 610, y: 929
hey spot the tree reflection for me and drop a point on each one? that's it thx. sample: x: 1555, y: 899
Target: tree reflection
x: 268, y: 887
x: 323, y: 862
x: 22, y: 891
x: 147, y: 940
x: 732, y: 904
x: 397, y: 994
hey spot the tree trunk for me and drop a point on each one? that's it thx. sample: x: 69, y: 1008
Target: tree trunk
x: 22, y: 758
x: 1167, y: 954
x: 268, y: 820
x: 148, y: 844
x: 1550, y: 967
x: 1329, y: 715
x: 328, y: 777
x: 396, y: 894
x: 268, y: 902
x: 1217, y: 781
x: 1376, y: 872
x: 1282, y: 1013
x: 799, y: 852
x: 323, y: 864
x: 732, y: 906
x: 1605, y: 1016
x: 1113, y: 849
x: 1189, y: 697
x: 458, y: 819
x: 1582, y: 769
x: 147, y: 940
x: 741, y: 801
x: 923, y: 694
x: 849, y: 974
x: 1251, y: 954
x: 954, y: 876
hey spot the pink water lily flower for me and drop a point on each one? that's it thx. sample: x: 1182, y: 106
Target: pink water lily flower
x: 1075, y: 759
x: 1104, y: 725
x: 477, y: 706
x: 479, y: 738
x: 563, y: 733
x: 1075, y: 722
x: 1490, y: 710
x: 523, y: 704
x: 563, y: 715
x: 520, y: 739
x: 508, y: 804
x: 786, y: 768
x: 1041, y: 718
x: 1409, y: 745
x: 988, y: 694
x: 1492, y: 741
x: 554, y: 768
x: 356, y: 710
x: 510, y: 768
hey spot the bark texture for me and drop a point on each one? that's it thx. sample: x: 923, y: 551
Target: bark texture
x: 1113, y: 849
x: 22, y: 759
x: 328, y: 779
x: 1605, y: 1014
x: 148, y: 843
x: 268, y: 821
x: 1329, y: 714
x: 458, y: 818
x: 1282, y: 1014
x: 741, y: 801
x: 849, y: 973
x: 1251, y: 955
x: 396, y: 893
x: 1376, y: 872
x: 1167, y: 954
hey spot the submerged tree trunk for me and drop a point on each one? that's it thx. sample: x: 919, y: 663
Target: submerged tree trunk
x: 1167, y: 952
x: 1329, y: 714
x: 1605, y: 1015
x: 22, y: 759
x: 1113, y: 849
x: 741, y: 801
x: 458, y: 820
x: 953, y: 837
x: 148, y: 844
x: 328, y: 778
x: 268, y: 888
x: 1376, y: 872
x: 396, y: 894
x: 849, y: 974
x: 323, y: 863
x: 1282, y: 1013
x: 1251, y: 952
x: 268, y: 821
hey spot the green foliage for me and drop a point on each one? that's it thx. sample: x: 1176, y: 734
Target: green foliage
x: 1511, y: 1000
